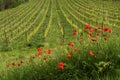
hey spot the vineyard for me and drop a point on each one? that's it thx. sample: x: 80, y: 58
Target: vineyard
x: 60, y: 40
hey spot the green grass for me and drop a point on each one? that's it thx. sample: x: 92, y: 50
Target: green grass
x: 46, y: 24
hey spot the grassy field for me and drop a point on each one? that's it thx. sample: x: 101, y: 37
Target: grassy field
x: 60, y: 40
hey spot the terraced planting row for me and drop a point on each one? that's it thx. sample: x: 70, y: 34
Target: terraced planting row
x: 113, y: 16
x: 76, y: 15
x: 27, y: 25
x: 101, y: 18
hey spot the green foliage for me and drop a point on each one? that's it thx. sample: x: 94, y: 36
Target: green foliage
x: 15, y: 3
x: 1, y: 2
x: 111, y: 0
x: 45, y: 23
x: 11, y: 4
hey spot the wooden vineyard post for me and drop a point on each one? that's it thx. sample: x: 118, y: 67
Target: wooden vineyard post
x: 102, y: 24
x: 26, y: 35
x: 99, y: 21
x: 6, y: 43
x: 63, y: 36
x: 11, y: 32
x: 18, y: 30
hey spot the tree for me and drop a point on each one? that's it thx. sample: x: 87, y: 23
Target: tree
x: 10, y: 3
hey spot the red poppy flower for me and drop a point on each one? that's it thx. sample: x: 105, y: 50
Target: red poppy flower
x: 98, y: 34
x: 74, y: 33
x: 105, y: 29
x: 33, y: 57
x: 39, y: 49
x: 87, y: 27
x: 68, y: 56
x: 13, y: 63
x: 71, y: 44
x: 8, y: 65
x: 19, y: 64
x: 49, y: 51
x: 105, y: 38
x: 60, y: 43
x: 39, y: 52
x: 90, y: 33
x: 91, y: 30
x: 75, y: 49
x: 94, y: 39
x: 110, y: 31
x: 91, y: 53
x: 44, y: 58
x: 45, y: 51
x: 99, y: 27
x: 88, y: 36
x: 75, y: 30
x: 61, y: 65
x: 21, y: 61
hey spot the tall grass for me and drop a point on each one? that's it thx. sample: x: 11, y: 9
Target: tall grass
x: 88, y: 60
